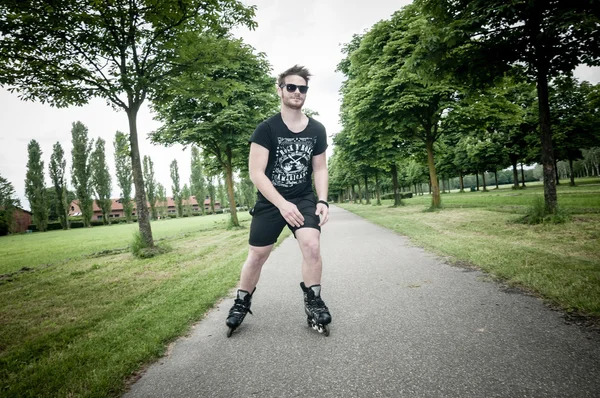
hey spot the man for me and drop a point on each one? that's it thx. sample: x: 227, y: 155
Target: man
x: 285, y: 150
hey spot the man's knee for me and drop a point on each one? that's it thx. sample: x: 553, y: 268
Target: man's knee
x: 311, y: 247
x: 257, y: 255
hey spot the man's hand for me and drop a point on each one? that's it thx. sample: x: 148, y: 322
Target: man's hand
x: 291, y: 214
x: 323, y: 213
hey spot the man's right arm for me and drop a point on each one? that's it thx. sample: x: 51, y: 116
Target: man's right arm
x: 259, y: 157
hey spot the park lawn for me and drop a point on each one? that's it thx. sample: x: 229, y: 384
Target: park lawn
x: 559, y: 262
x: 86, y: 324
x: 53, y: 247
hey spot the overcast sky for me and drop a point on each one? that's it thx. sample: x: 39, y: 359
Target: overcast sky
x: 309, y: 33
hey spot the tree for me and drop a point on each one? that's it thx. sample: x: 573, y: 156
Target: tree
x: 176, y: 188
x: 35, y: 190
x: 219, y: 110
x: 150, y: 185
x: 573, y: 120
x: 57, y: 170
x: 124, y: 173
x: 197, y: 179
x: 69, y: 51
x: 8, y: 203
x: 101, y: 180
x: 480, y: 40
x: 81, y: 172
x: 186, y: 195
x: 162, y: 203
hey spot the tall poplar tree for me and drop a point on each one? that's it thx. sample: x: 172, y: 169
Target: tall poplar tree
x: 124, y: 173
x: 161, y: 201
x: 101, y: 180
x: 186, y: 195
x: 34, y: 186
x: 58, y: 170
x: 176, y: 188
x: 150, y: 184
x: 197, y: 179
x: 81, y: 173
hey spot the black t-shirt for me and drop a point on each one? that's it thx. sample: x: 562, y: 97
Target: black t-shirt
x: 290, y: 154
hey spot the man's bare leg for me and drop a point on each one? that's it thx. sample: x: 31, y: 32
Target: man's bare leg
x: 257, y: 255
x: 310, y: 246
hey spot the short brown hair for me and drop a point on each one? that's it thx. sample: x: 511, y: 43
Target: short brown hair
x: 294, y: 70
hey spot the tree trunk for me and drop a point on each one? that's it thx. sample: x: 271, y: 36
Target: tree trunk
x: 522, y: 177
x: 546, y: 138
x: 462, y: 182
x: 230, y: 192
x: 572, y: 174
x: 359, y: 192
x: 138, y: 178
x: 484, y: 184
x: 367, y: 195
x: 515, y: 174
x: 397, y: 201
x: 377, y: 188
x: 443, y: 185
x: 477, y: 179
x: 496, y: 177
x: 353, y: 194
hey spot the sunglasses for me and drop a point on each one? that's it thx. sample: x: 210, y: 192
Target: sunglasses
x: 292, y: 88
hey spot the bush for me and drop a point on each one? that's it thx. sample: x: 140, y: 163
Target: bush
x: 140, y: 250
x: 538, y: 214
x: 403, y: 195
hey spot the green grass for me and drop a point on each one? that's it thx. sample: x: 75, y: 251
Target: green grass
x: 83, y: 325
x: 18, y: 251
x: 560, y: 262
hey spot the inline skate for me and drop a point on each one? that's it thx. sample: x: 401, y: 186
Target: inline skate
x: 238, y: 311
x: 318, y: 316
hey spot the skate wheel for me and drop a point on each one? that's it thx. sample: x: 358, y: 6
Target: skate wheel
x: 230, y: 332
x: 326, y: 330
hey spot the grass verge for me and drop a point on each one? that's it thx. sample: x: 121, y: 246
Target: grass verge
x: 85, y: 324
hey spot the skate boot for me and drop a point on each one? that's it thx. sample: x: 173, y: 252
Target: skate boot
x: 318, y: 316
x: 238, y: 311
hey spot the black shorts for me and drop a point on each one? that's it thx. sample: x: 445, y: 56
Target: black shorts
x: 267, y: 221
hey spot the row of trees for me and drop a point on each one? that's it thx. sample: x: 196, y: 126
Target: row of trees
x: 462, y: 87
x: 92, y: 181
x: 125, y: 51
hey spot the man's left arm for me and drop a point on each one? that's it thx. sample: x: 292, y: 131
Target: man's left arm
x: 319, y: 165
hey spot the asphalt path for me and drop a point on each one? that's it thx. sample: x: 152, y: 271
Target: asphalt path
x: 405, y: 324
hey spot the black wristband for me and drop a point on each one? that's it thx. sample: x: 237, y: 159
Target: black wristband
x: 325, y: 203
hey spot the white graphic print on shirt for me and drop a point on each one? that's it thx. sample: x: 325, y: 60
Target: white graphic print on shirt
x: 292, y: 161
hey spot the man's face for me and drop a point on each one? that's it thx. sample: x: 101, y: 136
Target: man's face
x: 293, y: 100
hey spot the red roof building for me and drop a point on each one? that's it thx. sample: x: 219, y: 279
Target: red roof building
x: 117, y: 207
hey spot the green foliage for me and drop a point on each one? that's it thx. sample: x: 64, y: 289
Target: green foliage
x: 34, y: 186
x: 81, y: 170
x: 8, y: 203
x: 480, y: 41
x: 218, y: 110
x: 101, y: 180
x: 150, y: 185
x: 176, y: 188
x: 197, y: 179
x: 58, y: 170
x: 124, y: 170
x: 123, y: 51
